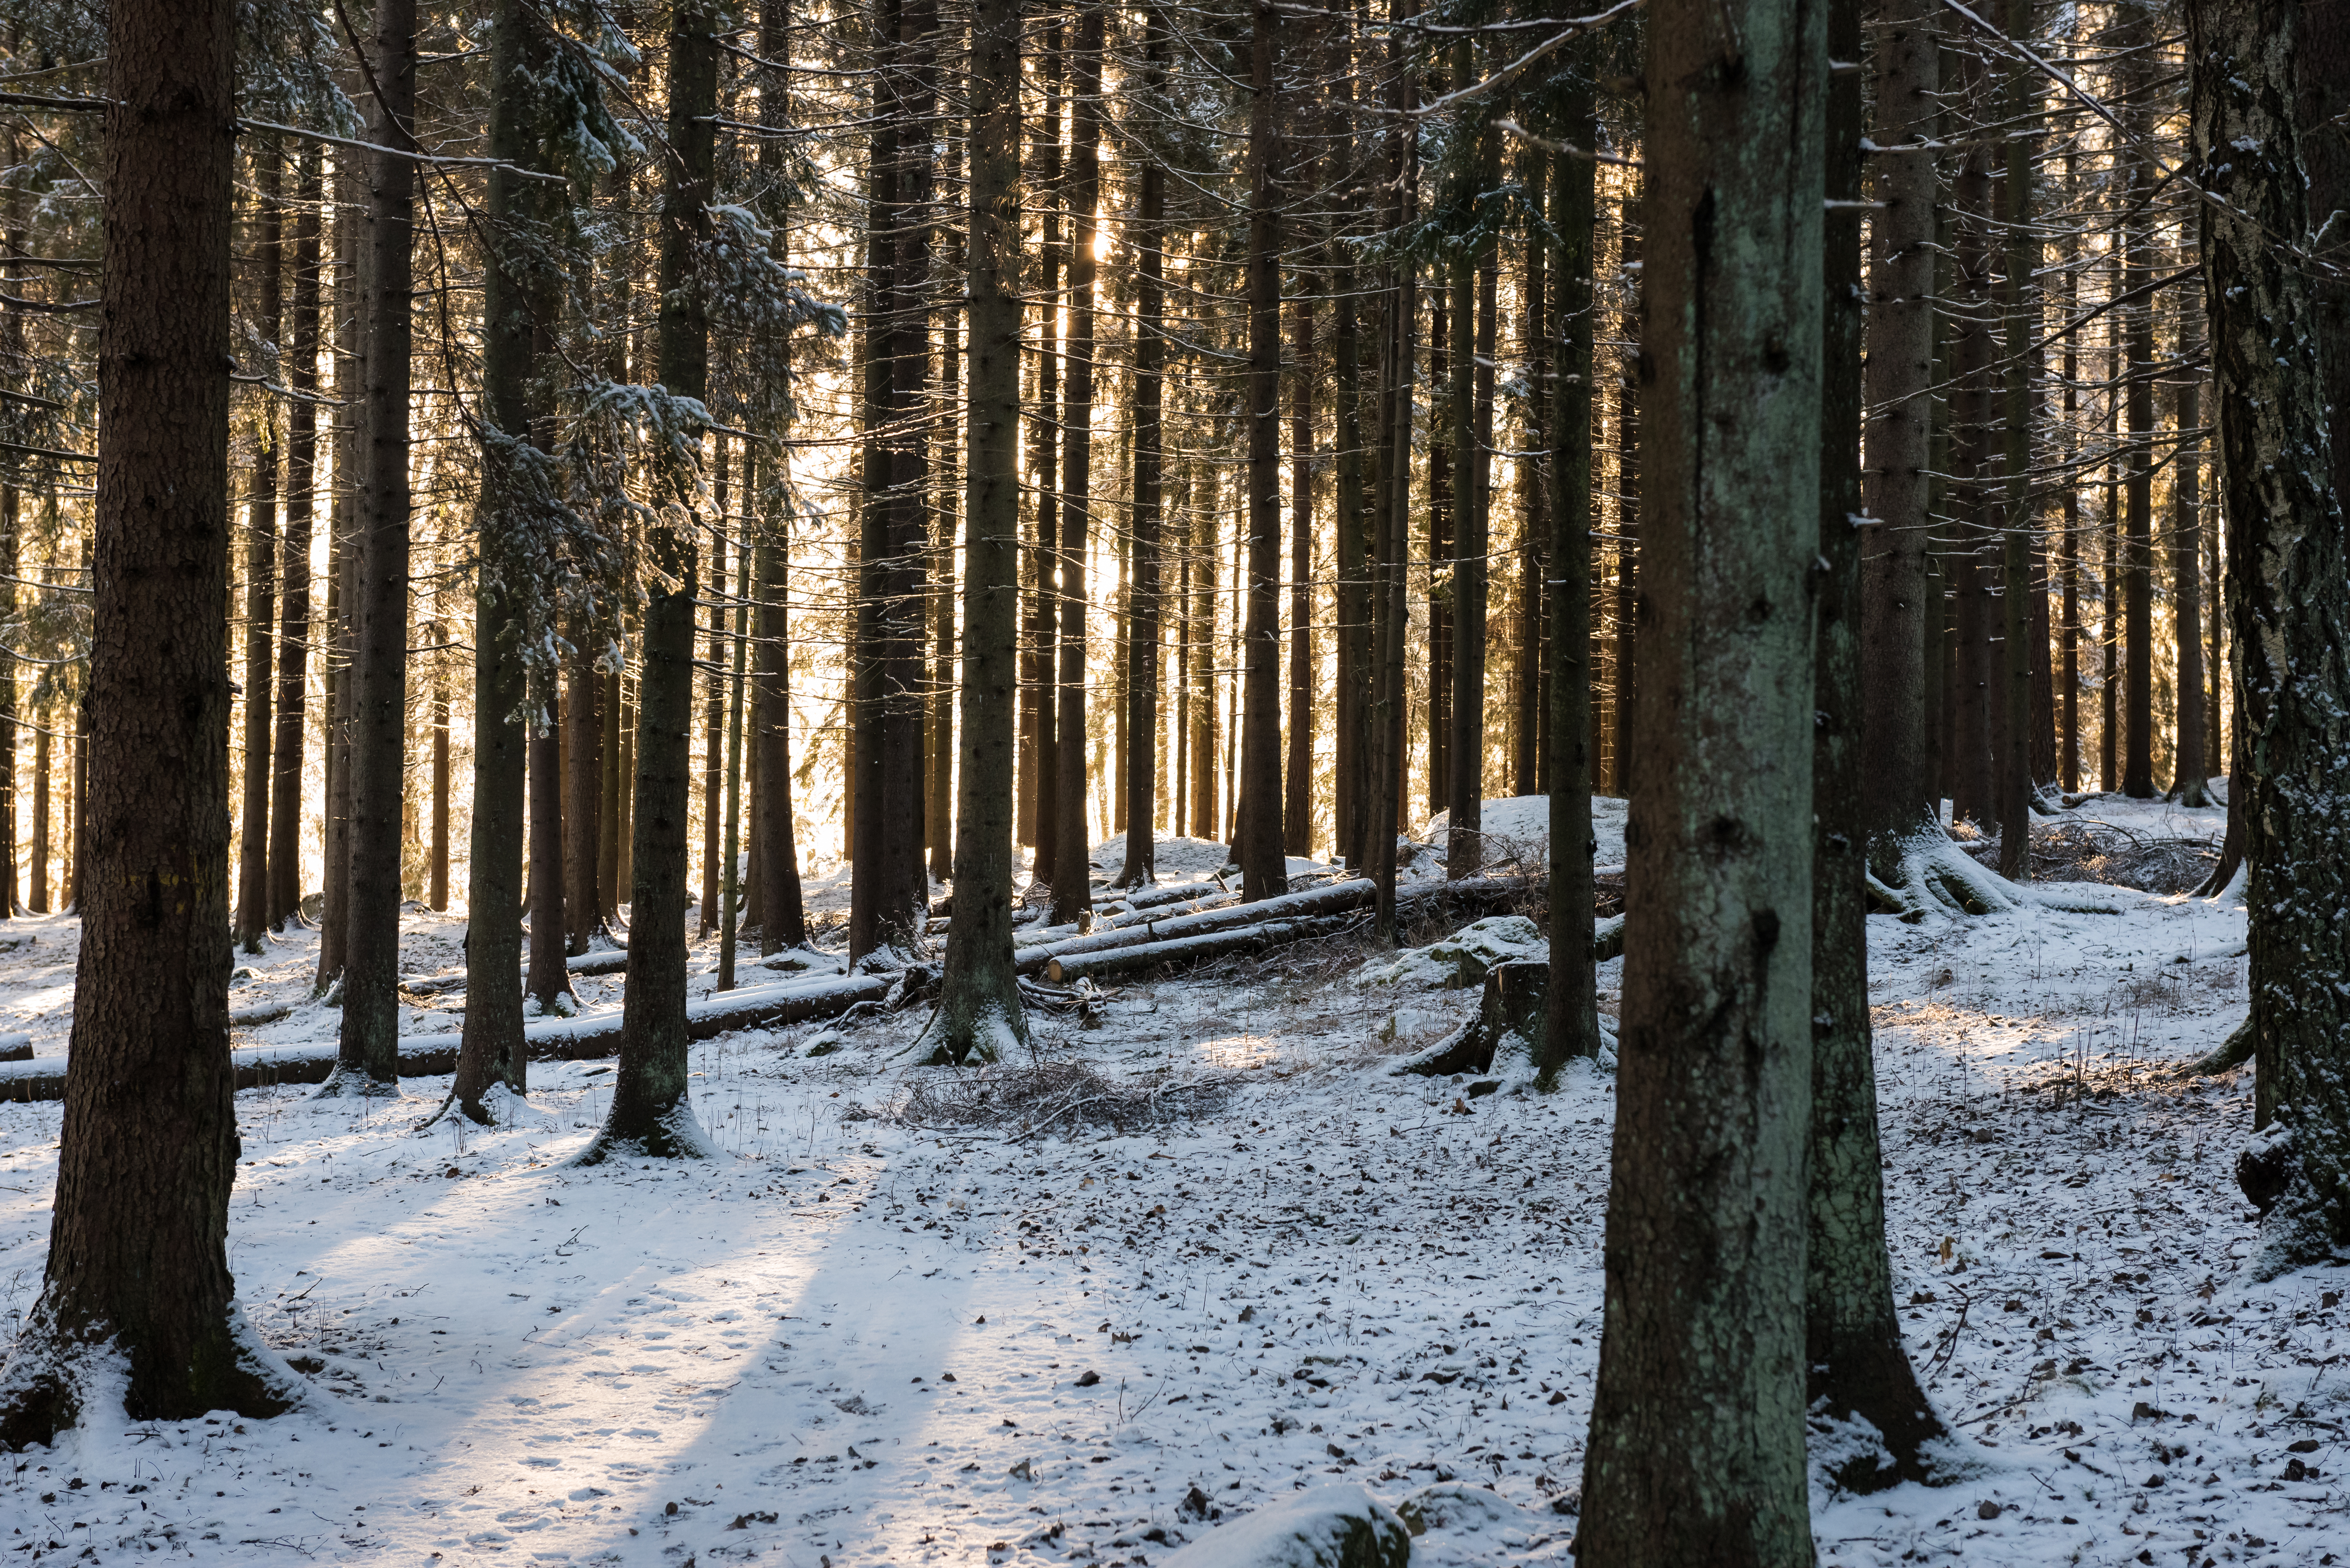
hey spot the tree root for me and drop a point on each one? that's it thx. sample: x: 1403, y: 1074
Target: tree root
x: 2234, y: 1052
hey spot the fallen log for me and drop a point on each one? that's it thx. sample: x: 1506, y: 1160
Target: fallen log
x: 609, y: 961
x: 1336, y: 898
x: 1105, y: 962
x: 580, y: 1039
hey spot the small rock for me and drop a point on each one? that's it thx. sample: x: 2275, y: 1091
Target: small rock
x: 1986, y: 1509
x: 1087, y: 1378
x: 2153, y: 1481
x: 1194, y: 1506
x: 1021, y: 1472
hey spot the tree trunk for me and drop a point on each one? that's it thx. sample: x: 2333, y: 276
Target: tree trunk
x: 889, y: 898
x: 511, y: 745
x: 1148, y: 236
x: 783, y: 922
x: 979, y: 1011
x: 1256, y: 826
x: 649, y: 1112
x: 1628, y: 516
x: 2186, y: 602
x: 731, y: 854
x: 1696, y: 1427
x: 369, y: 1054
x: 2287, y: 571
x: 713, y: 764
x: 2022, y: 302
x: 36, y: 886
x: 1898, y: 613
x: 938, y: 803
x: 1072, y: 865
x: 1383, y: 799
x: 137, y: 1303
x: 2130, y: 35
x: 583, y: 806
x: 1529, y: 770
x: 1297, y: 797
x: 294, y: 574
x: 1474, y: 288
x: 1858, y: 1368
x: 260, y: 567
x: 436, y: 873
x: 1352, y: 555
x: 1449, y: 317
x: 1044, y: 444
x: 1973, y: 506
x: 1571, y: 1026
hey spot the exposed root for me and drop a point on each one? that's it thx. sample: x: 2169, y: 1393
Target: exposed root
x: 2234, y: 1052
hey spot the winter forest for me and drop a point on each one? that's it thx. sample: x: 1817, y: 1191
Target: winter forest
x: 1687, y: 666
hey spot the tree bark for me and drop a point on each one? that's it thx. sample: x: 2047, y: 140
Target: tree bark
x: 583, y: 806
x: 2129, y: 35
x: 649, y: 1112
x: 294, y: 586
x: 979, y: 1011
x: 37, y: 882
x: 1352, y: 555
x: 369, y: 1054
x: 1696, y: 1428
x: 2187, y: 781
x: 1144, y: 633
x: 260, y: 567
x: 1858, y: 1370
x: 1896, y: 607
x: 1256, y: 826
x: 512, y: 745
x: 1974, y: 508
x: 1473, y: 441
x: 1383, y: 799
x: 1072, y: 867
x: 1571, y: 1025
x: 2287, y: 571
x: 890, y: 892
x: 137, y: 1301
x: 1297, y: 782
x: 784, y: 921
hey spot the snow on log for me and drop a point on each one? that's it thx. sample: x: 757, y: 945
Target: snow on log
x: 1339, y: 898
x: 607, y: 960
x: 1130, y: 958
x: 1340, y: 1525
x: 579, y: 1039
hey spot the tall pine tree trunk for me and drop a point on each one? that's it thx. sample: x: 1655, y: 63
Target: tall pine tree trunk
x: 1256, y: 828
x: 294, y: 590
x: 369, y: 1054
x: 649, y: 1112
x: 979, y: 1011
x: 1899, y: 608
x: 137, y: 1303
x: 2187, y: 599
x: 1144, y: 633
x: 1571, y: 1017
x: 342, y: 551
x: 261, y: 567
x: 583, y: 803
x: 1071, y: 871
x: 1858, y: 1368
x: 1696, y: 1427
x: 1297, y: 797
x: 2288, y: 576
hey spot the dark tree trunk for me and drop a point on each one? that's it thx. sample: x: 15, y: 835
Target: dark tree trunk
x: 511, y: 745
x: 713, y: 767
x: 1352, y: 554
x: 1530, y: 764
x: 1899, y: 612
x: 938, y: 806
x: 1696, y: 1427
x: 783, y: 920
x: 1448, y: 318
x: 294, y: 575
x: 583, y: 805
x: 2128, y: 38
x: 260, y: 568
x: 1474, y: 292
x: 1297, y: 783
x: 2288, y: 576
x: 649, y: 1112
x: 37, y: 882
x: 2187, y: 601
x: 1144, y: 633
x: 1071, y: 870
x: 1623, y: 744
x: 1045, y: 459
x: 889, y: 897
x: 1572, y: 1024
x: 1383, y: 799
x: 1973, y: 504
x: 1857, y: 1367
x: 979, y: 1011
x: 2021, y: 301
x: 436, y: 871
x: 349, y: 359
x: 1256, y: 824
x: 369, y: 1055
x: 137, y: 1259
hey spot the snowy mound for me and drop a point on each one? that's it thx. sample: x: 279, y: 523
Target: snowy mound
x: 1461, y: 961
x: 1519, y: 828
x: 1340, y: 1525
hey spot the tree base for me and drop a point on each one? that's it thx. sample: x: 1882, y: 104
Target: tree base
x: 2234, y: 1052
x: 55, y: 1380
x: 675, y: 1134
x: 350, y: 1082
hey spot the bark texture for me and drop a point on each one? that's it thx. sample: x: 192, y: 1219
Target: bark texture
x: 979, y: 1011
x: 2287, y: 580
x: 1696, y: 1427
x: 138, y: 1275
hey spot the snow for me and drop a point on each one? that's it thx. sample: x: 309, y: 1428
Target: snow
x: 846, y: 1337
x: 1518, y: 829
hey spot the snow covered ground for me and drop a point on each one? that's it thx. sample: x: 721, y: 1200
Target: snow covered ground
x: 866, y: 1336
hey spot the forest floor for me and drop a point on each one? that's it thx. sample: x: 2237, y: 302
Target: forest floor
x: 889, y: 1325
